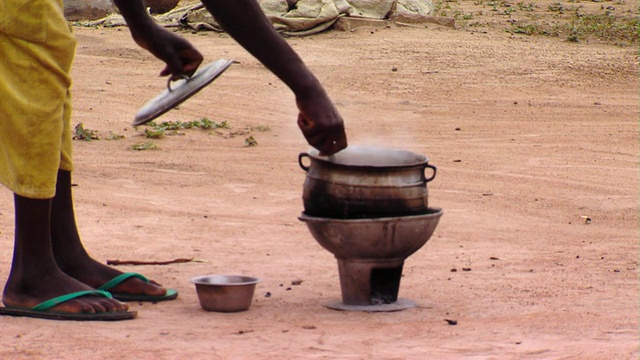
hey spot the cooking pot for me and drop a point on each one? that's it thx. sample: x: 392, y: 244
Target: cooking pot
x: 365, y: 182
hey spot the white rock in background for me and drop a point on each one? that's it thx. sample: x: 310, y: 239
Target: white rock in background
x: 87, y: 9
x: 98, y: 9
x: 412, y: 11
x: 371, y: 9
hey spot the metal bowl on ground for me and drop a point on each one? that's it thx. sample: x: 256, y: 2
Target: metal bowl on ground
x: 365, y: 182
x: 225, y: 293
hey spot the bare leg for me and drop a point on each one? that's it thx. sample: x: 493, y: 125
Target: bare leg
x: 71, y: 255
x: 34, y: 276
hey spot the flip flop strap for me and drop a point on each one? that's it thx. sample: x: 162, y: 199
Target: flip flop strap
x: 46, y: 305
x: 119, y: 279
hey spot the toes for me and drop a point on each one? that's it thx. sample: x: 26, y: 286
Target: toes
x: 75, y: 306
x: 92, y: 305
x: 98, y: 307
x: 109, y: 305
x: 87, y: 308
x: 120, y: 306
x: 137, y: 286
x: 112, y: 305
x: 156, y: 289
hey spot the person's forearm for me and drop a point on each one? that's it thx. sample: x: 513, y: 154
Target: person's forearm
x: 180, y: 57
x: 136, y: 16
x: 246, y: 23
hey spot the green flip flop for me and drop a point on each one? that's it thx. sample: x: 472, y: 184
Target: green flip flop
x: 169, y: 295
x: 41, y: 311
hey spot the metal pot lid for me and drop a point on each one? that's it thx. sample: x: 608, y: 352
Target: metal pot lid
x: 182, y: 89
x: 370, y: 156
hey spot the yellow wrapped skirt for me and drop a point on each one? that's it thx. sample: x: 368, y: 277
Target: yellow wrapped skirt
x: 36, y: 52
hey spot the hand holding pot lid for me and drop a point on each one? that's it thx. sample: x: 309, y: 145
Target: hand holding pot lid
x: 176, y: 93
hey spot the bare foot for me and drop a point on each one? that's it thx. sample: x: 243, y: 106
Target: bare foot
x: 27, y: 293
x: 71, y: 256
x: 95, y: 274
x: 34, y: 276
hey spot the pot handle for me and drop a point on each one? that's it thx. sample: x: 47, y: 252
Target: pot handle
x: 300, y: 156
x: 432, y: 167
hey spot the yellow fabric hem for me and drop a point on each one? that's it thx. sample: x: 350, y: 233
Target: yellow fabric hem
x: 37, y: 49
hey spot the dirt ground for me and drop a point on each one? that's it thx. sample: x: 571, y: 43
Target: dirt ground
x: 531, y: 135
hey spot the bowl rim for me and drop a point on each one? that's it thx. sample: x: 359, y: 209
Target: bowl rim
x: 248, y: 280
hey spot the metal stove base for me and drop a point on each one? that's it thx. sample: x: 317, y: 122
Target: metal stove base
x: 400, y: 304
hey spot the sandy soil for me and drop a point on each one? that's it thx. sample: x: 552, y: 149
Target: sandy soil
x: 530, y: 136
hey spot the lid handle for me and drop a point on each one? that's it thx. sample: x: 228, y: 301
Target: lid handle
x: 181, y: 77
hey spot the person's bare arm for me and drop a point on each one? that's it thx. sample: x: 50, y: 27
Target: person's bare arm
x: 244, y: 21
x: 179, y: 55
x: 320, y: 122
